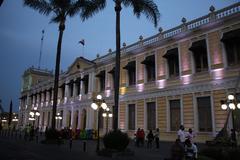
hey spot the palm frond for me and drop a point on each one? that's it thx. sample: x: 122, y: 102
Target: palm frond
x: 92, y: 7
x: 58, y: 18
x: 42, y: 6
x: 76, y: 7
x: 146, y: 7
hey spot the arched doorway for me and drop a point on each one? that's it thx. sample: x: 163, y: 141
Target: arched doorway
x: 68, y: 119
x: 75, y: 120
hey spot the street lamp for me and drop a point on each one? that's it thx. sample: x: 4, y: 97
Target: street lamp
x: 58, y: 117
x: 98, y: 103
x: 231, y: 104
x: 33, y: 114
x: 4, y: 120
x: 107, y: 114
x: 15, y: 119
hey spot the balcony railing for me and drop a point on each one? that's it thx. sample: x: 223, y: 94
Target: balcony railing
x: 191, y: 25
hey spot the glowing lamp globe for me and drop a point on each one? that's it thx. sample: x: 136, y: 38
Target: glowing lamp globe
x: 230, y: 97
x: 110, y: 115
x: 99, y: 97
x: 94, y: 106
x: 104, y: 106
x: 104, y: 114
x: 232, y: 106
x: 238, y: 105
x: 224, y: 106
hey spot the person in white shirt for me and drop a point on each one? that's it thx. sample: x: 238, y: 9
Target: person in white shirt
x: 181, y: 134
x: 190, y: 135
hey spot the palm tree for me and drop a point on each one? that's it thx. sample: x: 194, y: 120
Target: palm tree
x: 61, y: 9
x: 146, y: 7
x: 1, y: 1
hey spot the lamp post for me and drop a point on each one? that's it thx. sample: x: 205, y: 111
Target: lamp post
x: 58, y: 118
x: 98, y: 103
x: 15, y: 120
x: 33, y: 114
x: 107, y: 114
x: 230, y: 104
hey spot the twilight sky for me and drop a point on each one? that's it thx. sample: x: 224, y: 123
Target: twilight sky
x: 20, y: 35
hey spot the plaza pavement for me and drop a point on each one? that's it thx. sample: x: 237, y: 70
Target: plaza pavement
x: 18, y: 149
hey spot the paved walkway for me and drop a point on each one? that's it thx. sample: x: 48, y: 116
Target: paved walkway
x: 18, y: 149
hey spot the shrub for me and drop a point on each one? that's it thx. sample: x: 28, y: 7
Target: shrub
x: 204, y: 158
x: 116, y: 140
x: 221, y: 153
x: 52, y: 134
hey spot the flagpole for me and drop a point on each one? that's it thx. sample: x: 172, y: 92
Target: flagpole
x: 82, y: 42
x: 83, y: 51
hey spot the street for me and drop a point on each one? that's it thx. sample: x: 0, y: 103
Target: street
x: 12, y: 149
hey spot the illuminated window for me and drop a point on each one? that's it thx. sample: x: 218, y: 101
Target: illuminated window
x: 149, y: 63
x: 199, y: 50
x: 231, y: 41
x: 112, y: 72
x: 173, y: 62
x: 101, y: 76
x: 131, y: 70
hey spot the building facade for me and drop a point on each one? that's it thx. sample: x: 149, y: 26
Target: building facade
x: 175, y: 77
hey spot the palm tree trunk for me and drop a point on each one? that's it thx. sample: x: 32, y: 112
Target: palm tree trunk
x: 117, y: 64
x: 56, y: 78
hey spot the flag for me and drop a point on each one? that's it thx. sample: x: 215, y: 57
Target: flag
x: 82, y: 42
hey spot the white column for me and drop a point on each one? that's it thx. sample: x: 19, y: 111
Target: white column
x: 38, y: 97
x: 47, y: 96
x: 64, y: 120
x: 93, y: 82
x: 81, y: 86
x: 66, y: 94
x: 34, y: 99
x: 88, y: 119
x: 72, y: 118
x: 74, y: 90
x: 91, y: 118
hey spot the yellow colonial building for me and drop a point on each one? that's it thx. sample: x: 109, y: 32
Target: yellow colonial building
x: 178, y: 76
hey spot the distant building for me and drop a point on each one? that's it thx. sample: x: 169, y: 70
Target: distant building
x: 175, y: 77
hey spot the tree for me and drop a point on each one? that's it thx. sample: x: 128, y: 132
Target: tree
x: 146, y: 7
x: 1, y: 1
x: 61, y: 9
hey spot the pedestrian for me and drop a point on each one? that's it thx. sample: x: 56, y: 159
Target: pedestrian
x: 150, y: 138
x: 142, y: 137
x: 181, y: 134
x: 156, y: 136
x: 177, y: 150
x: 36, y: 134
x: 190, y: 150
x: 31, y: 133
x: 137, y: 137
x: 70, y: 143
x: 238, y: 138
x: 25, y: 134
x: 233, y: 138
x: 190, y: 135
